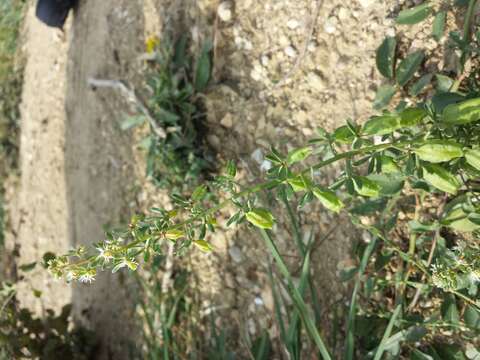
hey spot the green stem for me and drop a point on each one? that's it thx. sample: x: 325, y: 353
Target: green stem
x: 296, y: 296
x: 265, y: 186
x: 466, y: 29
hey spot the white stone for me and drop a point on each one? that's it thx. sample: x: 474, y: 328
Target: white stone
x: 315, y: 81
x: 236, y: 254
x: 293, y: 24
x: 343, y: 14
x: 257, y: 155
x: 224, y: 11
x: 259, y: 301
x: 227, y: 121
x: 266, y: 165
x: 330, y: 26
x: 366, y: 3
x: 290, y: 51
x: 264, y: 60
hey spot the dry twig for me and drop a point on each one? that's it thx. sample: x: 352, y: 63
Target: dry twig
x: 132, y: 97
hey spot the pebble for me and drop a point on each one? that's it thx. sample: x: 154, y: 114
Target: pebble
x: 227, y: 121
x: 259, y: 301
x: 330, y: 25
x: 266, y: 165
x: 257, y: 155
x: 315, y: 81
x: 343, y: 14
x: 224, y: 11
x: 213, y: 140
x: 366, y: 3
x: 290, y: 51
x: 264, y: 60
x: 293, y: 24
x: 235, y: 254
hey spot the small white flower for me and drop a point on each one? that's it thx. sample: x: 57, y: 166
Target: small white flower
x: 105, y: 254
x: 87, y: 277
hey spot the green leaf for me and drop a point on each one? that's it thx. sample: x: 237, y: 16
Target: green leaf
x: 199, y: 193
x: 390, y: 184
x: 462, y: 113
x: 343, y: 135
x: 418, y: 355
x: 449, y: 351
x: 458, y: 219
x: 366, y: 187
x: 231, y: 169
x: 299, y: 183
x: 298, y: 155
x: 409, y: 66
x: 444, y: 83
x: 202, y: 74
x: 418, y: 227
x: 412, y: 116
x: 474, y: 218
x: 131, y: 122
x: 174, y: 234
x: 386, y: 335
x: 414, y: 15
x: 449, y: 309
x: 472, y: 317
x: 440, y: 178
x: 420, y: 84
x: 261, y: 218
x: 381, y: 125
x: 203, y: 245
x: 389, y: 165
x: 436, y: 151
x: 28, y: 267
x: 472, y: 156
x: 262, y: 347
x: 384, y: 96
x: 438, y: 27
x: 440, y: 101
x: 328, y: 199
x: 386, y: 57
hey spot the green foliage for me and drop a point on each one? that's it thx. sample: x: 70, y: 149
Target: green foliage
x: 419, y: 159
x: 10, y: 90
x: 10, y: 80
x: 174, y: 81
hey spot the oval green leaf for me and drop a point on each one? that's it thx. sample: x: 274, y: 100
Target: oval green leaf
x: 438, y: 27
x: 386, y: 56
x: 381, y: 125
x: 462, y: 113
x: 203, y: 245
x: 366, y: 187
x: 261, y: 218
x: 409, y: 66
x: 384, y: 96
x: 440, y: 178
x: 414, y: 15
x: 298, y: 155
x: 328, y: 199
x: 473, y: 157
x: 412, y: 116
x: 437, y: 151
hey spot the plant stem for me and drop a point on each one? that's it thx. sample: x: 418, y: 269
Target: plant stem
x: 466, y: 30
x: 265, y: 186
x: 296, y: 296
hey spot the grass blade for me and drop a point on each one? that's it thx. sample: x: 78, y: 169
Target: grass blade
x: 386, y: 335
x: 296, y: 297
x: 350, y: 339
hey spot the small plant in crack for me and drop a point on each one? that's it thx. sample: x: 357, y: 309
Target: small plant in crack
x: 175, y: 80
